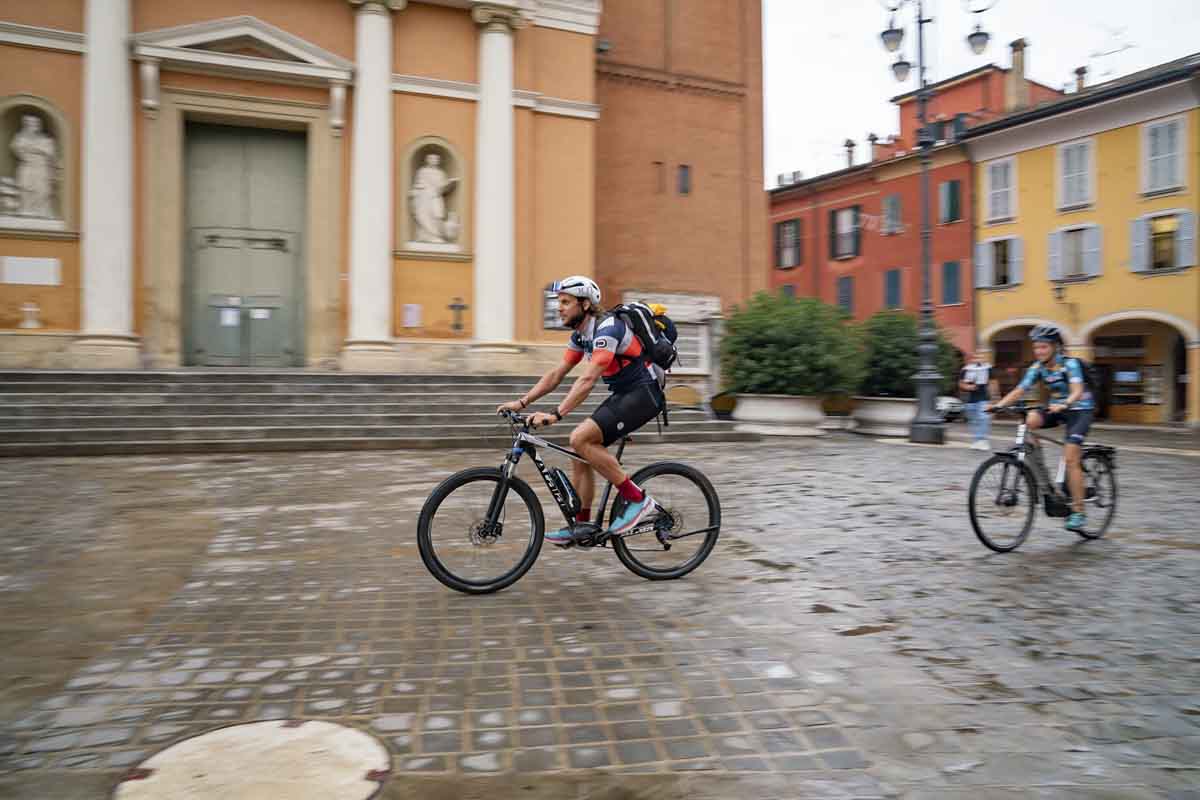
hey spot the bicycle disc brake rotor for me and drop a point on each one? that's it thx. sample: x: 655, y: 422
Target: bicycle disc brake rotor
x: 482, y: 533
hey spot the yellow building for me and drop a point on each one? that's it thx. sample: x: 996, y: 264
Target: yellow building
x: 1086, y: 217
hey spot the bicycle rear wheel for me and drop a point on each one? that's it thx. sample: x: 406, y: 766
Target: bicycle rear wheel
x: 1003, y: 503
x: 683, y: 533
x: 1100, y: 495
x: 458, y: 546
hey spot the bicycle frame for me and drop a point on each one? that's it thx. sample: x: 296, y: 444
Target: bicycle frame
x: 525, y: 442
x: 1023, y: 448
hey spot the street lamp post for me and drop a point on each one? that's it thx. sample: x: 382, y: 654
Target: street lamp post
x: 927, y: 427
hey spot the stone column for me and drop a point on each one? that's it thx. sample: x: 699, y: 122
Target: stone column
x: 107, y: 340
x: 495, y: 183
x: 369, y: 346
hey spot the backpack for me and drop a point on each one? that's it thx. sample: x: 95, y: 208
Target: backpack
x: 656, y: 332
x: 1091, y: 377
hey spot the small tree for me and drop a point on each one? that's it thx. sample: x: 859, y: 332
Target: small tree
x: 890, y: 339
x: 784, y: 345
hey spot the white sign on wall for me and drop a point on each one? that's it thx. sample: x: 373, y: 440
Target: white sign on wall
x: 31, y: 271
x: 412, y: 315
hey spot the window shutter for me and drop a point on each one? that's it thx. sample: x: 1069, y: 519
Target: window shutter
x: 799, y: 223
x: 857, y: 230
x: 1054, y: 256
x: 779, y: 244
x: 955, y: 200
x: 1093, y: 264
x: 1185, y: 240
x: 1139, y: 236
x: 1173, y: 159
x: 1016, y: 252
x: 950, y: 292
x: 943, y: 201
x: 833, y: 234
x: 983, y: 265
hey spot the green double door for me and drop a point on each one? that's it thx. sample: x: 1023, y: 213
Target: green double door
x: 246, y: 203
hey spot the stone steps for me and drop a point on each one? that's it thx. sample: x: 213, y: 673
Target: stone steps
x: 304, y: 418
x: 183, y: 406
x: 59, y: 413
x: 136, y: 447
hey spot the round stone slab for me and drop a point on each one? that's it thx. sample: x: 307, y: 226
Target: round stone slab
x: 298, y: 760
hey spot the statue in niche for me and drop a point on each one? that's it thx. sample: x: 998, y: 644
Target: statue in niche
x: 427, y: 200
x: 37, y: 168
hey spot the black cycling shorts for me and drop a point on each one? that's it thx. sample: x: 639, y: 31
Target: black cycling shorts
x: 624, y: 412
x: 1078, y: 422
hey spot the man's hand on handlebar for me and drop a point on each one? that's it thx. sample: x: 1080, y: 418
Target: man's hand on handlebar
x: 540, y: 419
x: 514, y: 406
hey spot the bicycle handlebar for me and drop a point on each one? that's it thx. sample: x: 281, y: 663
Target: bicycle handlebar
x: 1015, y: 408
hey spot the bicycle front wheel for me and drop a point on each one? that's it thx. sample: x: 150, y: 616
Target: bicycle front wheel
x: 459, y: 546
x: 682, y: 534
x: 1003, y: 503
x: 1100, y: 495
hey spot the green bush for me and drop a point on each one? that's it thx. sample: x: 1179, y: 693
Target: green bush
x: 890, y: 339
x: 784, y: 345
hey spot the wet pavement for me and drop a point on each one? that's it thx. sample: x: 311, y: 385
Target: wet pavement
x: 848, y: 638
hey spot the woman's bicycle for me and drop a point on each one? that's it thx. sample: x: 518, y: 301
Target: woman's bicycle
x: 1006, y: 488
x: 481, y: 529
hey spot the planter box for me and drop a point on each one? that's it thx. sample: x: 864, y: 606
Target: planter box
x: 884, y: 416
x: 779, y: 415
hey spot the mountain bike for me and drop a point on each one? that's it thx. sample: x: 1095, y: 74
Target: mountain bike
x: 1005, y: 490
x: 481, y: 529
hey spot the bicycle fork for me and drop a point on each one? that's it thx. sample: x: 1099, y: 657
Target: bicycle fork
x: 495, y: 510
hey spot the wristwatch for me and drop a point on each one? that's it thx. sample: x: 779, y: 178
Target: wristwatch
x: 557, y: 415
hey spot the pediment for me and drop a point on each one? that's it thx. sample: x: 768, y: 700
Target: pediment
x: 247, y: 46
x: 242, y: 44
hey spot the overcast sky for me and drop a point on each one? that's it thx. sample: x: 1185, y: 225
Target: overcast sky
x: 828, y: 78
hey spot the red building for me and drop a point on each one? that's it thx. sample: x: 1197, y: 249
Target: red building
x: 853, y: 237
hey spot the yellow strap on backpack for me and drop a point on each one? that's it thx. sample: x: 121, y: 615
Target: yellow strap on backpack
x: 659, y: 310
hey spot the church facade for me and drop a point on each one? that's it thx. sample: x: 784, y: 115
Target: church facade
x: 367, y: 185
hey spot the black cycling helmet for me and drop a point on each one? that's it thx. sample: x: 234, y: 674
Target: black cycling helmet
x: 1046, y: 333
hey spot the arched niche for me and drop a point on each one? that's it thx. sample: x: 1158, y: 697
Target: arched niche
x: 36, y: 165
x: 433, y: 198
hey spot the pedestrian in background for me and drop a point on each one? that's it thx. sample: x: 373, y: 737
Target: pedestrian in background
x: 979, y: 387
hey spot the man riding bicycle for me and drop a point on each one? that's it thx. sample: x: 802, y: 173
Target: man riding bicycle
x: 1070, y: 404
x: 613, y: 353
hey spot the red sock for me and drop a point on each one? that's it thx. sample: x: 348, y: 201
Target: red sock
x: 630, y: 491
x: 584, y: 515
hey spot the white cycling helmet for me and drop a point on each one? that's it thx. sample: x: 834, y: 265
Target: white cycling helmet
x: 580, y: 286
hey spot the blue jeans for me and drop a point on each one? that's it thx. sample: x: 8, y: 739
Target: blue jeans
x: 981, y: 423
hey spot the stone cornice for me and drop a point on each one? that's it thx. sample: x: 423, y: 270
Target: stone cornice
x: 522, y: 98
x: 44, y: 38
x: 669, y: 81
x: 577, y: 16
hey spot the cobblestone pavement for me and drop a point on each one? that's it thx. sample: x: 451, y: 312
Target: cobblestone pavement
x: 849, y: 637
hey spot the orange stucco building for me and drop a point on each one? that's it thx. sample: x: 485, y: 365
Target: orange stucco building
x: 365, y: 184
x: 853, y: 237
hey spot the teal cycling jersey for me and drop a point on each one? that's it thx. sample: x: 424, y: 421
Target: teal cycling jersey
x: 1058, y: 380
